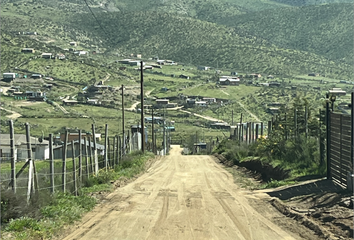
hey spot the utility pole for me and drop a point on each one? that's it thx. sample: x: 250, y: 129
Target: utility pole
x: 142, y: 107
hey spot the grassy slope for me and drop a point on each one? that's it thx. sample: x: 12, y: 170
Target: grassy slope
x: 171, y: 36
x: 326, y: 30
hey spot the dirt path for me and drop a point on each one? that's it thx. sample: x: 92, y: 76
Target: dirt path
x: 14, y: 114
x: 181, y: 197
x: 133, y: 106
x: 254, y: 116
x: 201, y: 116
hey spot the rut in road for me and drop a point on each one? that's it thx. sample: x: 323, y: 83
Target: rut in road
x: 179, y: 197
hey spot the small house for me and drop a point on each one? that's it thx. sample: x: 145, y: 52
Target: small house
x: 274, y: 84
x: 203, y: 68
x: 209, y: 100
x: 162, y: 102
x: 83, y: 53
x: 190, y: 101
x: 184, y: 76
x: 233, y: 73
x: 313, y: 74
x: 36, y: 76
x: 39, y: 148
x: 220, y: 125
x: 138, y: 56
x: 58, y: 150
x: 172, y: 105
x: 199, y: 146
x: 227, y: 80
x: 61, y: 56
x: 27, y: 50
x: 201, y: 104
x: 273, y: 110
x: 255, y: 75
x: 36, y: 96
x: 93, y: 102
x: 9, y: 76
x: 47, y: 55
x: 337, y: 92
x: 68, y: 102
x: 170, y: 62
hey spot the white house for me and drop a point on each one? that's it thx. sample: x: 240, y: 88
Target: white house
x: 40, y: 148
x: 201, y: 104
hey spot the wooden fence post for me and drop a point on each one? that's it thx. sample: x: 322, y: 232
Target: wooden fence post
x: 95, y: 149
x: 65, y: 147
x: 241, y: 132
x: 80, y: 156
x: 306, y: 123
x: 29, y: 156
x: 51, y: 164
x: 92, y: 169
x: 286, y: 126
x: 13, y: 159
x: 106, y: 148
x: 86, y: 158
x: 269, y: 128
x: 295, y: 122
x: 113, y: 161
x: 247, y: 124
x: 74, y: 167
x: 119, y: 151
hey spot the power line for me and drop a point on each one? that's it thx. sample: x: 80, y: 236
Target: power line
x: 95, y: 18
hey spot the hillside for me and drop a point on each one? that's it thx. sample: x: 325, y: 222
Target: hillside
x: 326, y: 30
x: 193, y: 41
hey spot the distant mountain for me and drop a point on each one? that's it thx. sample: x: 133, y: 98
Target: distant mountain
x: 193, y: 41
x: 267, y: 41
x: 326, y: 30
x: 300, y: 3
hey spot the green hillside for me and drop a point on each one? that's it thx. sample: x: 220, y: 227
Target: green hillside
x: 193, y: 41
x: 309, y: 2
x: 326, y: 30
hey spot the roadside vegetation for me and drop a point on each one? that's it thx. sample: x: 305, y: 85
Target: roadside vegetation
x: 285, y: 156
x: 45, y: 214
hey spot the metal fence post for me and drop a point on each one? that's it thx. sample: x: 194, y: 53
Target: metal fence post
x: 328, y: 140
x: 29, y: 156
x: 64, y: 162
x: 74, y: 167
x: 80, y: 156
x: 51, y: 163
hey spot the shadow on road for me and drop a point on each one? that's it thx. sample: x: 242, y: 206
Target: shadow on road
x: 322, y: 192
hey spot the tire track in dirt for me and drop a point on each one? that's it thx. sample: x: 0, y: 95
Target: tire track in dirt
x: 180, y: 197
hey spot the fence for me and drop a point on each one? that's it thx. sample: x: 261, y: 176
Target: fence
x: 79, y: 160
x: 340, y: 146
x: 336, y: 142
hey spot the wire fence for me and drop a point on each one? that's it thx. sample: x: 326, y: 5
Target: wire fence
x: 63, y: 167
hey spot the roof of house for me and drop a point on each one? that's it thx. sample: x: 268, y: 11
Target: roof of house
x: 19, y: 140
x: 98, y: 146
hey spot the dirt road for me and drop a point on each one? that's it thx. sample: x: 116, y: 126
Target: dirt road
x: 180, y: 197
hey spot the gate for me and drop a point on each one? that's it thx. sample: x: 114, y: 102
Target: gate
x: 340, y: 158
